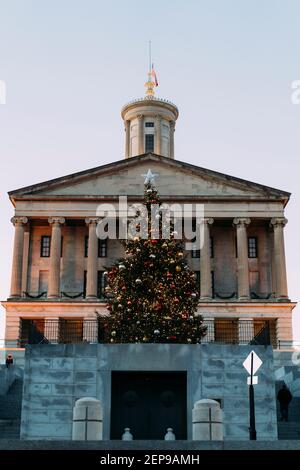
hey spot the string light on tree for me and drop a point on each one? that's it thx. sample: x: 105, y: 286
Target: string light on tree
x: 152, y: 294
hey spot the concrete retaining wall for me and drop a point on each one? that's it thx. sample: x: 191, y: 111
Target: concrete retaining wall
x: 57, y: 375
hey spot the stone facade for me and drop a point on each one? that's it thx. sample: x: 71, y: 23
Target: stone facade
x: 232, y: 284
x: 57, y: 375
x: 64, y: 208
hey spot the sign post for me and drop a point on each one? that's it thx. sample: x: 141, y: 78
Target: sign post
x: 252, y: 364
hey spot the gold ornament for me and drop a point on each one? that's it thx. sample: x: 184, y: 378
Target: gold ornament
x: 178, y: 269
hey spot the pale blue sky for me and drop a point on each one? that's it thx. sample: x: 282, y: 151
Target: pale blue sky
x: 70, y: 65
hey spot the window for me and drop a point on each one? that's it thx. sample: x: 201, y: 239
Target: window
x: 31, y: 332
x: 149, y: 124
x: 252, y: 247
x: 70, y: 330
x: 149, y: 143
x: 84, y: 283
x: 101, y: 284
x: 226, y: 331
x: 195, y: 253
x: 86, y: 246
x: 211, y: 245
x: 213, y: 284
x: 102, y: 247
x: 197, y: 276
x: 45, y: 246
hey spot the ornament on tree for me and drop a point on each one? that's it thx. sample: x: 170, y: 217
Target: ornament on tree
x: 152, y: 298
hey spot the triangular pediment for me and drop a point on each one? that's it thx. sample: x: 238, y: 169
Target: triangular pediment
x: 126, y: 178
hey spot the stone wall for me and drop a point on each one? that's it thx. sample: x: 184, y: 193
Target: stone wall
x: 57, y: 375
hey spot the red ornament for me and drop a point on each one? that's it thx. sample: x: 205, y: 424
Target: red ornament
x: 169, y: 275
x: 173, y: 286
x: 154, y: 241
x: 129, y: 302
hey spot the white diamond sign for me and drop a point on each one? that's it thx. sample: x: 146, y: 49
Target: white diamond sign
x: 257, y: 362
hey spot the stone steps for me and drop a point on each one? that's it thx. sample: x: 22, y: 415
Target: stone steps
x: 11, y: 403
x: 289, y: 430
x: 10, y: 429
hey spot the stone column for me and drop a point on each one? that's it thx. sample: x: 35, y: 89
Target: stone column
x: 92, y: 262
x: 127, y: 139
x: 25, y: 258
x: 141, y: 134
x: 55, y: 250
x: 172, y: 130
x: 17, y: 264
x: 242, y: 257
x: 205, y: 261
x: 279, y: 257
x: 158, y: 135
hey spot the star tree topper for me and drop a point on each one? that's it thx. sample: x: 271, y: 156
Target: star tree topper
x: 150, y: 177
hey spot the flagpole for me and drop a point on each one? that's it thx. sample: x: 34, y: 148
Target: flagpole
x: 149, y: 56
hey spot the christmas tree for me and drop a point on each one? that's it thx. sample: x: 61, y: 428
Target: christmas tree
x: 152, y: 294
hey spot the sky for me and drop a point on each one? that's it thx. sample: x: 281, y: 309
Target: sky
x: 229, y: 65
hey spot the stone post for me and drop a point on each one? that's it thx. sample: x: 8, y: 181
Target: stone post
x: 141, y: 143
x: 92, y: 262
x: 279, y: 258
x: 127, y: 139
x: 87, y: 420
x: 205, y: 262
x: 158, y: 135
x: 207, y: 421
x: 17, y: 264
x: 242, y: 257
x: 172, y: 130
x: 55, y: 250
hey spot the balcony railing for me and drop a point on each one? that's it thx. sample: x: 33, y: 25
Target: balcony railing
x: 65, y: 331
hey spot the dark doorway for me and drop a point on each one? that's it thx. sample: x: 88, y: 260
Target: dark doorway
x: 148, y: 403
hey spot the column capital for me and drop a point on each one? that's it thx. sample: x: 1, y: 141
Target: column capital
x: 56, y: 220
x: 278, y: 222
x: 140, y: 116
x: 92, y: 220
x: 19, y: 220
x: 206, y: 221
x: 172, y: 125
x: 241, y: 221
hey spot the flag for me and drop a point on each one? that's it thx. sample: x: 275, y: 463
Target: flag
x: 154, y: 76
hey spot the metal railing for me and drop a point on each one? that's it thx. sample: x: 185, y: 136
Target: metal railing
x: 65, y: 331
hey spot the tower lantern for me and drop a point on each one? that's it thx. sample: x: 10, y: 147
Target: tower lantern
x: 149, y: 123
